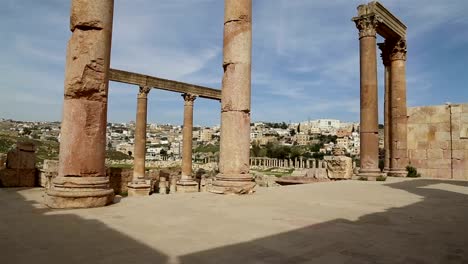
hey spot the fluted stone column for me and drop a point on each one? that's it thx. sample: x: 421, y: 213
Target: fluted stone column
x: 399, y: 152
x: 186, y: 183
x: 384, y: 47
x: 234, y: 176
x: 369, y: 132
x: 82, y: 180
x: 138, y: 186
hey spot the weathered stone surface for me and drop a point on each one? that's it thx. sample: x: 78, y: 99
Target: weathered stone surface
x: 119, y: 179
x: 22, y: 157
x: 439, y: 151
x: 339, y: 167
x: 234, y: 155
x: 139, y: 188
x: 81, y: 181
x: 18, y: 177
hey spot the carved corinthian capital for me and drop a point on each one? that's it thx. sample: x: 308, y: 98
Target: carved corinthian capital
x: 144, y: 90
x: 385, y: 47
x: 189, y: 98
x: 399, y: 50
x: 367, y: 25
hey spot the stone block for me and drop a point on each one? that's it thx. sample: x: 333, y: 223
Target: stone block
x: 435, y: 154
x: 440, y: 114
x: 460, y: 144
x: 26, y: 146
x: 139, y: 189
x: 419, y: 163
x: 460, y: 154
x: 18, y: 178
x: 339, y: 167
x: 460, y: 164
x: 439, y: 144
x: 119, y: 179
x: 187, y: 187
x: 418, y: 154
x: 18, y: 159
x: 442, y: 136
x: 460, y: 174
x: 50, y: 166
x: 439, y: 163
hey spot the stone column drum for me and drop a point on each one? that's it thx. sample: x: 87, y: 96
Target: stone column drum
x: 82, y: 181
x: 399, y: 152
x: 369, y: 99
x: 186, y: 182
x: 138, y: 186
x: 234, y: 176
x: 384, y: 47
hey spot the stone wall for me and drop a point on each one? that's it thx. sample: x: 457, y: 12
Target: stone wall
x: 438, y: 140
x: 20, y: 169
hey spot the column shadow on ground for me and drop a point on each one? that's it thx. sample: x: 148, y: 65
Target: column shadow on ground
x: 433, y: 230
x: 29, y: 235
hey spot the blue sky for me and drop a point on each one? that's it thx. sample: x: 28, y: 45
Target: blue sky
x: 305, y: 56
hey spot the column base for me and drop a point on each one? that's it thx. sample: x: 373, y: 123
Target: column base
x: 397, y: 173
x: 139, y: 188
x: 79, y: 192
x: 369, y: 175
x: 187, y: 186
x: 233, y: 184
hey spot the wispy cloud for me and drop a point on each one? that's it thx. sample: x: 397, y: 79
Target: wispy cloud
x: 305, y: 56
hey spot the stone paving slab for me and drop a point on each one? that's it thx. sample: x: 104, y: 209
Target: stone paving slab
x: 398, y: 221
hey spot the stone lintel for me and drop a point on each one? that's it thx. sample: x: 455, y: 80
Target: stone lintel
x: 390, y: 26
x: 163, y: 84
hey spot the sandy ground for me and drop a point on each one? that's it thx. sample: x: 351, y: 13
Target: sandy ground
x: 397, y: 221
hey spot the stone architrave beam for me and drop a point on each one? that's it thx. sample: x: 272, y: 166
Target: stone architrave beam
x: 390, y: 27
x: 163, y: 84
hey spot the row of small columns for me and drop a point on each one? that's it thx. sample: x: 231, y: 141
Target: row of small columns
x: 394, y: 59
x: 138, y: 185
x: 82, y: 180
x: 298, y: 163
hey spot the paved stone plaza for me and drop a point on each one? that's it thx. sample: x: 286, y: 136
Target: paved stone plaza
x: 398, y: 221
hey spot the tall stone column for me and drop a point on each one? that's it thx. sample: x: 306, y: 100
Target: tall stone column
x: 138, y: 186
x: 369, y: 111
x: 234, y: 176
x: 82, y: 180
x: 399, y: 152
x: 384, y: 47
x: 186, y: 182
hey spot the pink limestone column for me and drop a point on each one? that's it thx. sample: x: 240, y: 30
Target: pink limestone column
x: 384, y: 47
x: 139, y: 186
x: 186, y: 182
x: 369, y: 99
x: 399, y: 152
x: 82, y: 180
x: 234, y: 175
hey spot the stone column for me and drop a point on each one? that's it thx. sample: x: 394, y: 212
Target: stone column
x: 399, y: 152
x: 234, y: 176
x: 369, y: 132
x: 82, y: 180
x: 384, y: 47
x: 186, y: 183
x: 138, y: 186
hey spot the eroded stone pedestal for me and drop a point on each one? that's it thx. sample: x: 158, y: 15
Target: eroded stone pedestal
x: 142, y: 188
x: 187, y: 186
x: 79, y: 192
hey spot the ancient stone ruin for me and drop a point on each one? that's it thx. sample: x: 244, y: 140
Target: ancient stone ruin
x: 18, y: 167
x: 374, y: 19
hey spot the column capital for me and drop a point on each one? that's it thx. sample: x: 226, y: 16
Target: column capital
x: 398, y: 50
x: 385, y: 47
x: 189, y: 98
x: 367, y: 25
x: 144, y: 91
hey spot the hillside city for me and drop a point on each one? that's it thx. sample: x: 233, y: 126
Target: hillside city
x: 164, y: 141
